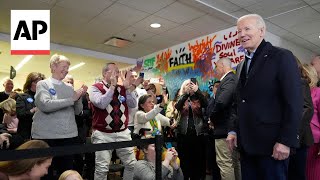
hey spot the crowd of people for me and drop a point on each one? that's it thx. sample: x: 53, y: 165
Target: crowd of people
x: 261, y: 123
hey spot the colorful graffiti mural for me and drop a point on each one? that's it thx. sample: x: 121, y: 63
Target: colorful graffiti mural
x: 195, y: 58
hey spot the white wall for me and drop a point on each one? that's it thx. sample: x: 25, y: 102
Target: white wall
x: 303, y: 54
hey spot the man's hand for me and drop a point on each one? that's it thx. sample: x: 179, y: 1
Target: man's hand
x: 114, y: 78
x: 126, y: 81
x: 78, y: 93
x: 146, y: 84
x: 33, y: 110
x: 164, y: 99
x: 174, y: 125
x: 280, y: 151
x: 194, y: 87
x: 231, y: 141
x: 138, y: 81
x: 210, y: 123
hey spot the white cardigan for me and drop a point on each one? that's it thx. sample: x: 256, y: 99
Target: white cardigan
x: 141, y: 120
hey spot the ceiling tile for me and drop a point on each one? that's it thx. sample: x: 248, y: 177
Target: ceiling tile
x: 300, y: 41
x: 149, y: 6
x: 101, y: 26
x: 123, y: 14
x: 311, y: 2
x: 179, y: 13
x: 160, y: 42
x: 240, y: 13
x: 208, y: 24
x: 312, y: 46
x: 245, y: 3
x: 63, y: 17
x: 97, y: 31
x: 145, y: 24
x: 223, y: 5
x: 223, y: 17
x: 301, y: 15
x: 314, y: 38
x: 24, y: 5
x: 316, y: 6
x: 275, y: 29
x: 85, y: 6
x: 306, y: 28
x: 136, y: 50
x: 274, y: 7
x: 134, y: 34
x: 58, y: 36
x: 79, y: 43
x: 182, y: 33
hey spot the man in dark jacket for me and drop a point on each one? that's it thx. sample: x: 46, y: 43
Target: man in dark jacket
x: 268, y: 105
x: 220, y: 116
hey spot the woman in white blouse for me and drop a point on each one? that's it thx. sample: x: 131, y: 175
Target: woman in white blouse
x: 149, y: 118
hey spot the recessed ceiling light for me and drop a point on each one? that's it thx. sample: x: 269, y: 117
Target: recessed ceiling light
x: 155, y: 25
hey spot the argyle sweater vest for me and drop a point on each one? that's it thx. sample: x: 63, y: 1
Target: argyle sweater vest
x: 115, y: 117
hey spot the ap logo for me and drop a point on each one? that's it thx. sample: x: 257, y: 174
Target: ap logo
x: 30, y: 32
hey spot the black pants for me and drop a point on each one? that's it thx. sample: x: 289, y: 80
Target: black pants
x: 61, y: 163
x: 297, y: 164
x: 212, y: 160
x: 192, y: 153
x: 78, y: 163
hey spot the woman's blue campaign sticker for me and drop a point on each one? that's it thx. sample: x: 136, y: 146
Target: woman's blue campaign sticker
x: 30, y: 100
x: 52, y: 91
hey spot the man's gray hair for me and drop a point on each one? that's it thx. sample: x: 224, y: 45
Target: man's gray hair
x: 259, y: 19
x: 225, y: 61
x: 106, y: 68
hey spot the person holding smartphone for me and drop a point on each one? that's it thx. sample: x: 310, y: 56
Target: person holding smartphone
x: 149, y: 117
x: 192, y: 130
x: 145, y: 169
x: 136, y: 94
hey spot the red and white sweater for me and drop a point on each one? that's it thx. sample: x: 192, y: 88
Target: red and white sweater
x: 110, y: 108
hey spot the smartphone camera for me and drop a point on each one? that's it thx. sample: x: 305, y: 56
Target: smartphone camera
x: 141, y: 75
x: 194, y: 80
x: 164, y: 89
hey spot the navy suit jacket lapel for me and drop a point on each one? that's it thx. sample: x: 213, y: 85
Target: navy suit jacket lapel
x: 239, y: 69
x: 260, y: 60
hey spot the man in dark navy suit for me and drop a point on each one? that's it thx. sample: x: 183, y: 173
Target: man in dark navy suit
x: 268, y: 104
x: 220, y: 117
